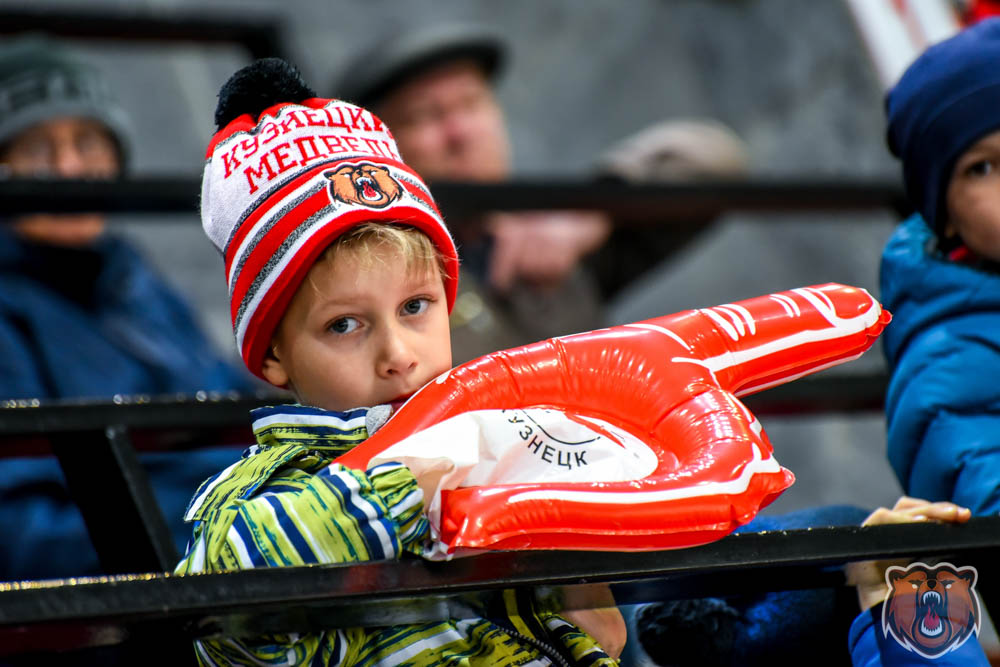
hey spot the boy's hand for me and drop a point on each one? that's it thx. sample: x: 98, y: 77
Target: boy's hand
x: 869, y: 576
x: 595, y: 613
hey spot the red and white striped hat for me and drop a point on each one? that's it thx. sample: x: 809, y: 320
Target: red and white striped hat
x: 283, y: 182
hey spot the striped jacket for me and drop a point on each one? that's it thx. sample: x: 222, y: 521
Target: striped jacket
x: 284, y: 503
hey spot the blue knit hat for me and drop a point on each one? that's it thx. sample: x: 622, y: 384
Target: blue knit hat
x: 944, y: 102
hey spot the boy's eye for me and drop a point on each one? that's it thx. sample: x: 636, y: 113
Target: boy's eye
x: 343, y: 325
x: 415, y: 306
x: 980, y: 168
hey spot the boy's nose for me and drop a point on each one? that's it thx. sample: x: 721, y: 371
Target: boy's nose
x: 397, y: 356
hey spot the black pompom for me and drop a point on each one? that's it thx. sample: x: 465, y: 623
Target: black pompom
x: 258, y: 86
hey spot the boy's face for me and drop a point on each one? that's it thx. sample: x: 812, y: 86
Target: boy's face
x: 973, y: 198
x: 360, y: 335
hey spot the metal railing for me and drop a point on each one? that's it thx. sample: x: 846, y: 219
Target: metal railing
x: 659, y: 204
x: 130, y: 610
x: 260, y: 34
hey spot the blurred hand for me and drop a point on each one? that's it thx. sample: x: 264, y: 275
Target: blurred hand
x: 597, y: 615
x: 869, y: 576
x: 542, y: 248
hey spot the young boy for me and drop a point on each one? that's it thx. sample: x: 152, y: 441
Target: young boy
x: 940, y: 274
x: 342, y: 275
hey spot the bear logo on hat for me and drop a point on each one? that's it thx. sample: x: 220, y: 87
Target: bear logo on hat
x: 364, y: 184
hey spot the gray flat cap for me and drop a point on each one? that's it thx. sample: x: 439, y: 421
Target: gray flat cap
x: 406, y: 52
x: 679, y: 149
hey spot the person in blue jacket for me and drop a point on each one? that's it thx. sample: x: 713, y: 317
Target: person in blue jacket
x: 761, y: 635
x: 940, y: 275
x: 82, y: 313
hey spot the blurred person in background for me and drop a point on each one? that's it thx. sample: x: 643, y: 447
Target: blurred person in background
x: 677, y: 151
x: 521, y: 270
x: 82, y: 313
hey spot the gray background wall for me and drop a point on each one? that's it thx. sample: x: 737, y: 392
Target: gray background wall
x: 791, y: 77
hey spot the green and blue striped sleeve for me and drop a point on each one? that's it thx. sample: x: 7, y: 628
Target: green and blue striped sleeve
x: 336, y: 515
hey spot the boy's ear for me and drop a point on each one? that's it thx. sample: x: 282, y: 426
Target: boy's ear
x: 273, y: 371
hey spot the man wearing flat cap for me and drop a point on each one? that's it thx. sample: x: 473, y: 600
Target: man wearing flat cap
x: 434, y: 87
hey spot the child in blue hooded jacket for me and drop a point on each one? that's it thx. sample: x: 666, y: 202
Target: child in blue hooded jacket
x: 940, y: 275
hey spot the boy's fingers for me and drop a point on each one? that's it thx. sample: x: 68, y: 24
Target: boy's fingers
x: 884, y: 515
x: 923, y: 511
x: 907, y: 502
x: 940, y: 511
x: 944, y: 511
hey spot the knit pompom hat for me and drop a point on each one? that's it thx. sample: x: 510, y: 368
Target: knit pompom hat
x: 944, y: 102
x: 41, y: 79
x: 286, y: 174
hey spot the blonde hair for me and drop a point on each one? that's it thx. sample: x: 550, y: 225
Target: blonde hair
x: 417, y: 250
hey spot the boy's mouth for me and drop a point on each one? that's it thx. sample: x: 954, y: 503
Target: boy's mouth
x: 397, y: 402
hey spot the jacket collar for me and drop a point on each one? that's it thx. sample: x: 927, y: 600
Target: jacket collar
x: 331, y: 433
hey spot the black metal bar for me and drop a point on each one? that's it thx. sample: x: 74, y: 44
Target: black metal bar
x: 629, y: 204
x: 111, y: 609
x: 34, y: 417
x: 682, y: 202
x: 112, y: 492
x: 154, y: 524
x: 260, y: 34
x: 138, y: 195
x: 825, y: 394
